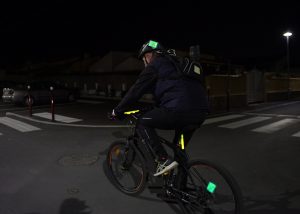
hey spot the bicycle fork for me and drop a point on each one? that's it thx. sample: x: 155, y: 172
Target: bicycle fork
x: 128, y: 156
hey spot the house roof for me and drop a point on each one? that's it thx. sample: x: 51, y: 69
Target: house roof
x: 129, y: 64
x: 109, y: 61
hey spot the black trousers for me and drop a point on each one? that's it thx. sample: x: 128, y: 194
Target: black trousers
x: 166, y: 119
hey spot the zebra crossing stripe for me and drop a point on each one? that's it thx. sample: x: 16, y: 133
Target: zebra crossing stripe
x: 222, y: 118
x: 18, y: 125
x: 273, y: 127
x: 59, y: 118
x: 296, y: 134
x: 246, y: 122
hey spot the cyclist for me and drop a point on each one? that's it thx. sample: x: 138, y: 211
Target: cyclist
x: 179, y: 102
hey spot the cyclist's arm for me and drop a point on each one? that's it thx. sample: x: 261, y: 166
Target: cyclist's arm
x: 144, y: 83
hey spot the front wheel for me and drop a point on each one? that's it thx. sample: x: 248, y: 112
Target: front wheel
x: 126, y: 168
x: 212, y: 189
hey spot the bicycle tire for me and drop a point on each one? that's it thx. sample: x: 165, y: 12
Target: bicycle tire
x: 215, y: 184
x: 120, y: 165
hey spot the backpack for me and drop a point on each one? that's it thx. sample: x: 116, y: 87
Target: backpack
x: 187, y: 67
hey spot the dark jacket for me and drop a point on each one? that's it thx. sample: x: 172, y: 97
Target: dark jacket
x: 160, y: 78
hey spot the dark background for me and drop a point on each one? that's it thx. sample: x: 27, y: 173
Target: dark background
x: 244, y: 32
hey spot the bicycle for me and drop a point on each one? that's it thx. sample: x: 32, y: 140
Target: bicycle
x: 196, y: 185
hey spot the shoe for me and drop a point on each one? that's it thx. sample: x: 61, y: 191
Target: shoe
x: 165, y: 166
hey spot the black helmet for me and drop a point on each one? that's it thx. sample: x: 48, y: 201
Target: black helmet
x: 149, y: 47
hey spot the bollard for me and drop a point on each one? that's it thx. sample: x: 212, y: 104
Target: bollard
x: 208, y: 93
x: 228, y: 100
x: 52, y: 103
x: 85, y: 88
x: 96, y: 88
x: 109, y: 90
x: 124, y: 89
x: 29, y: 101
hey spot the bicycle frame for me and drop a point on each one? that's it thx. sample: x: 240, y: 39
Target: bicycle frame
x: 150, y: 156
x: 185, y: 184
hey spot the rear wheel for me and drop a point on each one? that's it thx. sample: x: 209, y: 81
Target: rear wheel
x: 126, y: 168
x: 212, y: 189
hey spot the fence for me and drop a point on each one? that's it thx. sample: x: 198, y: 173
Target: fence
x: 281, y: 88
x: 225, y: 91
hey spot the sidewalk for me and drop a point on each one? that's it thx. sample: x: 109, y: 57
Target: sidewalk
x: 101, y: 97
x: 94, y: 116
x: 250, y: 107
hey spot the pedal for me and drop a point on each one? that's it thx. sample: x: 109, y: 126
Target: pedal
x: 166, y: 173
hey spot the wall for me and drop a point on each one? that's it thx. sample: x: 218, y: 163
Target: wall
x: 281, y: 88
x: 226, y: 91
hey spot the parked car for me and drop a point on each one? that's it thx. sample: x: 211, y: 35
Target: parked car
x: 39, y: 93
x: 6, y: 84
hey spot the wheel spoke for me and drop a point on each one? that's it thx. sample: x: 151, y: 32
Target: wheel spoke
x: 126, y: 168
x: 214, y: 189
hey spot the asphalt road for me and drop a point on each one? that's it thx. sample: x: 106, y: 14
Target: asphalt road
x: 57, y: 167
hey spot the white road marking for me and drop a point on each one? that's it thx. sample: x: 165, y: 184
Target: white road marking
x: 1, y: 134
x: 276, y: 106
x: 65, y: 124
x: 246, y: 122
x: 273, y: 127
x: 273, y: 115
x: 57, y: 117
x: 296, y: 134
x: 18, y: 125
x: 222, y: 118
x: 6, y: 105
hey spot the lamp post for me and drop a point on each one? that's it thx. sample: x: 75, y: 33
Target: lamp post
x: 287, y: 35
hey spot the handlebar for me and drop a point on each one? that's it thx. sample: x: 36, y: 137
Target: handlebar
x: 131, y: 113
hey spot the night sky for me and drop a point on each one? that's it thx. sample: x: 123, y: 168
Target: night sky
x: 44, y: 32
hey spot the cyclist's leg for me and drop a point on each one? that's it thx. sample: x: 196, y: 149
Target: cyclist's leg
x: 187, y: 135
x: 157, y: 118
x: 186, y: 119
x: 181, y: 178
x: 150, y: 136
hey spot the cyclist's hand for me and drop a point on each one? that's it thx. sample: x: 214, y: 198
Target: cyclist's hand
x: 112, y: 115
